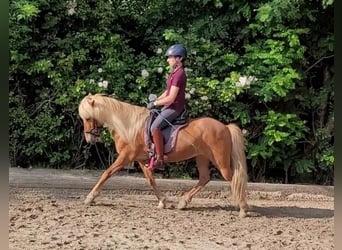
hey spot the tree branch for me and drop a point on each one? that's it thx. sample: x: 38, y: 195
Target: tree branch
x: 325, y: 57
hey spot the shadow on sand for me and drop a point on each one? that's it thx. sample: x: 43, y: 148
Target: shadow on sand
x: 273, y: 212
x: 293, y: 211
x: 254, y: 211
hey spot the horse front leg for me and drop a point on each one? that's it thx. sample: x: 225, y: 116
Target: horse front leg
x: 115, y: 167
x: 150, y: 179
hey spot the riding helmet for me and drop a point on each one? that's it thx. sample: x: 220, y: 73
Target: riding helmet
x: 176, y: 50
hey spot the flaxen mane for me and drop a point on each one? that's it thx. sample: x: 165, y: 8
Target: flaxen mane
x: 123, y: 118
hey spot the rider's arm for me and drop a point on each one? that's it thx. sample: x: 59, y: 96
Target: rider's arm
x: 168, y: 99
x: 162, y: 95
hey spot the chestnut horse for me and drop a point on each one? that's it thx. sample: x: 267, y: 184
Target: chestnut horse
x: 204, y: 138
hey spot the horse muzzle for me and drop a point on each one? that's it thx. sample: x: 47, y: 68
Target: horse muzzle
x: 92, y: 136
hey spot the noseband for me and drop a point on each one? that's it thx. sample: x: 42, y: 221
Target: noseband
x: 94, y: 131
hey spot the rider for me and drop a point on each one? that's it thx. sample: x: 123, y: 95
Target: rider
x: 172, y: 99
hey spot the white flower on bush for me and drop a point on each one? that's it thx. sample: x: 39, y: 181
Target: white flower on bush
x: 92, y: 81
x: 71, y: 5
x: 160, y: 70
x: 103, y: 84
x: 187, y: 96
x: 218, y: 4
x: 204, y: 98
x: 240, y: 83
x: 244, y: 131
x: 100, y: 70
x: 192, y: 91
x: 71, y: 11
x: 159, y: 51
x: 188, y: 69
x: 245, y: 81
x: 144, y: 73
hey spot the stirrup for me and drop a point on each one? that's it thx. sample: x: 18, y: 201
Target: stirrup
x: 153, y: 165
x: 158, y: 164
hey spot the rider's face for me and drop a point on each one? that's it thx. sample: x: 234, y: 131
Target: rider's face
x: 173, y: 61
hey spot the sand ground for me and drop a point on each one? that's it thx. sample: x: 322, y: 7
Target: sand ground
x: 46, y: 211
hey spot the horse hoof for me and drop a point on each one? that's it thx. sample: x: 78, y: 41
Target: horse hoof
x: 182, y: 204
x: 88, y: 200
x: 161, y: 205
x: 242, y: 214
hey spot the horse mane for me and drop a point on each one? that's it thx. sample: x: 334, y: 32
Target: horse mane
x: 125, y: 119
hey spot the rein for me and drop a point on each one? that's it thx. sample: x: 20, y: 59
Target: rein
x: 94, y: 131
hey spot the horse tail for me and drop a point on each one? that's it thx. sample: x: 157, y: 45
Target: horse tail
x: 239, y: 164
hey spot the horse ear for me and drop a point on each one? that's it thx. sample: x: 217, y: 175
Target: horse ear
x: 91, y: 101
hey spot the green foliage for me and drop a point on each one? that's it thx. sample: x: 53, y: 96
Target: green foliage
x: 266, y: 65
x: 327, y: 3
x: 24, y: 11
x: 285, y: 128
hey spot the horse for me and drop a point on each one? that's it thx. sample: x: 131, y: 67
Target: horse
x: 206, y: 139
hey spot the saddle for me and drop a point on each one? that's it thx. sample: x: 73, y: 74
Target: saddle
x: 169, y: 133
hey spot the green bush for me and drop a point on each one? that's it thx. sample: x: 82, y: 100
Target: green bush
x: 266, y: 66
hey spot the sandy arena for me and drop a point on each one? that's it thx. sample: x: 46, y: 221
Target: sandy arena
x: 46, y: 211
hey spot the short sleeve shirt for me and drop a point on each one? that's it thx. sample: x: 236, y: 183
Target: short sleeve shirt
x: 177, y: 78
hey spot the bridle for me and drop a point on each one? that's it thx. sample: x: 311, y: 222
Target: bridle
x: 95, y: 131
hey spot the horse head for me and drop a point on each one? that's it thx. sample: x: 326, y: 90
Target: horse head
x: 91, y: 126
x: 92, y: 130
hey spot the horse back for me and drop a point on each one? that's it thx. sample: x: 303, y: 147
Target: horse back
x: 200, y: 137
x: 205, y: 129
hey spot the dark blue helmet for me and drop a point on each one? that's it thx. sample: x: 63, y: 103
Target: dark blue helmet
x: 176, y: 50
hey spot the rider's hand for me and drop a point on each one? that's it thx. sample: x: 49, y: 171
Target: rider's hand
x: 151, y: 105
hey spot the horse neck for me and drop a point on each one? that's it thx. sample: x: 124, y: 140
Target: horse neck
x: 125, y: 119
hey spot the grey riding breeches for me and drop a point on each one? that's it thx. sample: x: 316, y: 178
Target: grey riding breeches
x: 165, y: 114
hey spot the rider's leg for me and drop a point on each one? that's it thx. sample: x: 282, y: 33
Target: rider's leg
x: 159, y: 147
x: 165, y: 117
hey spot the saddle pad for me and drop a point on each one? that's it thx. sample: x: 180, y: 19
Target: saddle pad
x: 169, y: 134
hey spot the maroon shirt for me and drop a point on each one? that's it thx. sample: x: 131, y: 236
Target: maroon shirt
x: 177, y: 78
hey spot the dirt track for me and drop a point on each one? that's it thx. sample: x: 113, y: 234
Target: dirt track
x: 46, y: 212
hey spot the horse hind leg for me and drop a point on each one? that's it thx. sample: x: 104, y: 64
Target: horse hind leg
x: 204, y: 177
x: 238, y: 189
